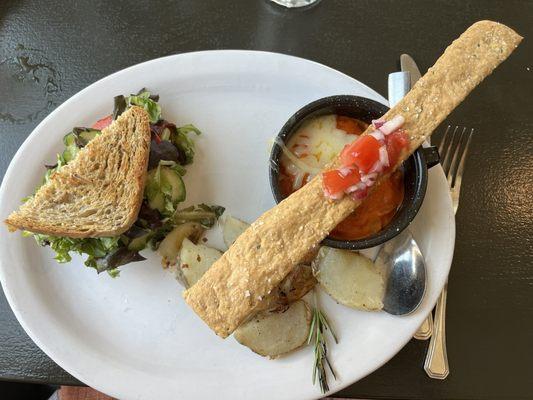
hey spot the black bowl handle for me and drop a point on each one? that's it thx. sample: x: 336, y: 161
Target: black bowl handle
x: 431, y: 154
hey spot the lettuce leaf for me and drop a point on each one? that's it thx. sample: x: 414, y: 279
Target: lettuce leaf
x: 120, y: 105
x: 184, y: 143
x: 149, y: 218
x: 116, y: 258
x: 142, y: 99
x: 162, y: 150
x: 104, y: 254
x: 96, y: 248
x: 50, y: 169
x: 145, y: 100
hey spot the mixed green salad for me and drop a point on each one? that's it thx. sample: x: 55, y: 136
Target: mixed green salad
x: 171, y: 150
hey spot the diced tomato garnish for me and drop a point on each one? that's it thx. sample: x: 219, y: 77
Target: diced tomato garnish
x: 335, y: 182
x: 348, y: 125
x: 396, y: 142
x: 103, y: 123
x: 364, y: 153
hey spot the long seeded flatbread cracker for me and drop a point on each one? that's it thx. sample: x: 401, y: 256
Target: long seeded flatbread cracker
x: 233, y: 288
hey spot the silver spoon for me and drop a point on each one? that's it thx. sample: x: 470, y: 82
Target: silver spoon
x: 404, y: 271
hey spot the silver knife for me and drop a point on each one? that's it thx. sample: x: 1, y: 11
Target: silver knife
x: 408, y: 64
x: 401, y: 82
x: 399, y: 85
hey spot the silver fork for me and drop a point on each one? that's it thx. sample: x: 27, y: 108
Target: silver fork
x: 453, y: 149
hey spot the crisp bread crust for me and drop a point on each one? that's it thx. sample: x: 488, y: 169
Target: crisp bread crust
x: 100, y: 192
x: 233, y: 288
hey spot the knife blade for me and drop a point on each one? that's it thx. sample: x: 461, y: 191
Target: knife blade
x: 409, y: 65
x: 399, y: 84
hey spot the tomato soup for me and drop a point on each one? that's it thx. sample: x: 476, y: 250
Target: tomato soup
x: 318, y: 142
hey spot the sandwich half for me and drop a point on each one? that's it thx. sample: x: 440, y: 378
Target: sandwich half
x: 97, y: 194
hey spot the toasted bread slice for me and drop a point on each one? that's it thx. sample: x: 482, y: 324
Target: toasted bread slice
x: 100, y: 192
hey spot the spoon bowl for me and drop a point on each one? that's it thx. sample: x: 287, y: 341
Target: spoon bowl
x: 404, y: 269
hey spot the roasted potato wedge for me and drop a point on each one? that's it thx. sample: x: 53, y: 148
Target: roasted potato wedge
x: 272, y: 334
x: 232, y: 229
x: 295, y: 286
x: 170, y: 247
x: 194, y: 261
x: 350, y: 278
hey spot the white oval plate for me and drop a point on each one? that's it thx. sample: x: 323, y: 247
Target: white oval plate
x: 134, y: 337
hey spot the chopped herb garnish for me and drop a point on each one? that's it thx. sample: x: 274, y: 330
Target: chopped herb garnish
x: 317, y: 336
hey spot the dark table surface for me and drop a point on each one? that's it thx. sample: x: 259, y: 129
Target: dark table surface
x: 50, y: 50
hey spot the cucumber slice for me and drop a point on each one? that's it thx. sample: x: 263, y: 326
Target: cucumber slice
x: 70, y: 153
x: 139, y: 243
x: 88, y: 135
x: 69, y: 139
x: 172, y: 178
x: 164, y: 184
x: 79, y: 137
x: 153, y: 192
x: 157, y: 201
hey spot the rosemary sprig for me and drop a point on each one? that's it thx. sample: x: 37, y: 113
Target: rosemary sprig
x: 317, y: 336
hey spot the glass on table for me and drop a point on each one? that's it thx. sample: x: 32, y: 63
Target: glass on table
x: 294, y: 3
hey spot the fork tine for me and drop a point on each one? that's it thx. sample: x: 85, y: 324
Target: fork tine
x: 448, y: 153
x: 445, y: 137
x: 458, y: 175
x: 457, y: 151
